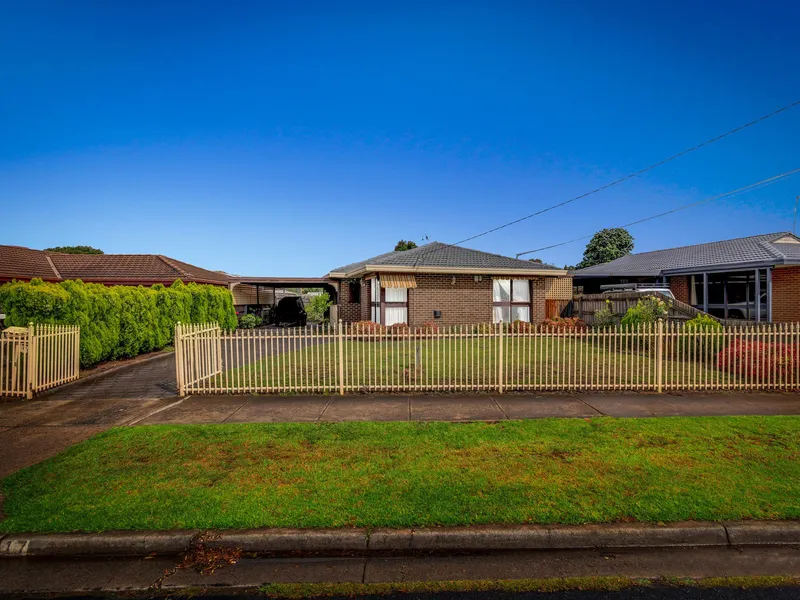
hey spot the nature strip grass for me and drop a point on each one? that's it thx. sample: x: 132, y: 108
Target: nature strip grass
x: 297, y: 591
x: 414, y: 474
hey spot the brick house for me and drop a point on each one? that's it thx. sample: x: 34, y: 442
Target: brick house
x: 449, y: 285
x: 24, y: 264
x: 755, y: 278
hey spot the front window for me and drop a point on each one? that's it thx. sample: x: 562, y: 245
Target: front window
x: 389, y: 306
x: 512, y: 300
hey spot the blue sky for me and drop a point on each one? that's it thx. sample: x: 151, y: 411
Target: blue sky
x: 290, y: 138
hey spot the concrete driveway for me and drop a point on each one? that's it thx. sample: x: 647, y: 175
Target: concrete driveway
x: 32, y: 430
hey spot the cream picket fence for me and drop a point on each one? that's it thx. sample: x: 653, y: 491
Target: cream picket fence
x: 518, y: 357
x: 38, y: 357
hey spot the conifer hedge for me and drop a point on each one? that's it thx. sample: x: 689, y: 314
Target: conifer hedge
x: 116, y: 321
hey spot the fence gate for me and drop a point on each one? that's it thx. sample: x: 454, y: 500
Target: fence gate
x: 198, y: 354
x: 38, y: 357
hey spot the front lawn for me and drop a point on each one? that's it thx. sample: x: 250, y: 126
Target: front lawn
x: 469, y: 363
x: 414, y: 474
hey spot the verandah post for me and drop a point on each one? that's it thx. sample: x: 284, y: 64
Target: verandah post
x: 341, y: 357
x: 660, y: 356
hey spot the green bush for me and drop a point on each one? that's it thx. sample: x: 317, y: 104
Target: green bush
x: 249, y: 321
x: 606, y: 317
x: 647, y: 310
x: 117, y: 321
x: 317, y: 307
x: 701, y: 346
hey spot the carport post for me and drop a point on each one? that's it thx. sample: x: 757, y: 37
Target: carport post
x: 341, y: 357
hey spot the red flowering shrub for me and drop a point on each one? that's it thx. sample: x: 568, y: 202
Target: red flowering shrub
x: 398, y: 328
x: 760, y: 360
x: 565, y: 323
x: 429, y: 327
x: 368, y: 327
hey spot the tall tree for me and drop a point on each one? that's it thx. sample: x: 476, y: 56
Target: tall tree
x: 404, y: 245
x: 606, y: 245
x: 75, y: 250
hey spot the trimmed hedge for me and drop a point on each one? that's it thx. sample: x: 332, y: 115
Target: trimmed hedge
x: 116, y: 321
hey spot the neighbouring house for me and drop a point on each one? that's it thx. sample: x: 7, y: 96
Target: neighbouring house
x: 755, y: 278
x: 250, y: 294
x: 449, y: 285
x: 24, y: 264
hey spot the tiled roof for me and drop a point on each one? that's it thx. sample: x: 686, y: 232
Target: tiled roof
x: 26, y: 263
x: 439, y: 255
x: 16, y: 261
x: 764, y: 249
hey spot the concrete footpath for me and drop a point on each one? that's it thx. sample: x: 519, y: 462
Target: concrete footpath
x: 466, y: 407
x: 139, y: 561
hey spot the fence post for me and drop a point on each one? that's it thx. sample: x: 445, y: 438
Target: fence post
x: 341, y: 357
x: 500, y: 359
x: 179, y: 358
x: 32, y: 363
x: 660, y: 356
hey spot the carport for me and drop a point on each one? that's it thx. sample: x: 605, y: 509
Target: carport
x: 255, y: 294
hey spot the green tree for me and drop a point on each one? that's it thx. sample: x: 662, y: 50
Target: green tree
x: 538, y: 261
x: 75, y: 250
x: 404, y: 245
x: 606, y: 245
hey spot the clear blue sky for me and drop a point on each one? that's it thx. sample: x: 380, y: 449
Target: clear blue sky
x: 290, y: 138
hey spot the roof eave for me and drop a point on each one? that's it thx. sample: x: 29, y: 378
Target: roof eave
x: 730, y: 267
x: 446, y: 271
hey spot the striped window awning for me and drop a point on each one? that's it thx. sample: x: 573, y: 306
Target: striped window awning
x: 391, y: 280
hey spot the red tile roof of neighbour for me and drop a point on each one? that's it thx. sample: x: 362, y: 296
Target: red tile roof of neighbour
x: 25, y: 263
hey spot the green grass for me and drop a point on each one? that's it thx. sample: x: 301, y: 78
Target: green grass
x: 297, y: 591
x: 472, y: 364
x: 414, y: 474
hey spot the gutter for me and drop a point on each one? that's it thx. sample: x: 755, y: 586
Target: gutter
x: 448, y: 271
x: 332, y: 542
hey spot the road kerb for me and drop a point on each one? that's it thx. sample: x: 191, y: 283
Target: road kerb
x: 433, y: 539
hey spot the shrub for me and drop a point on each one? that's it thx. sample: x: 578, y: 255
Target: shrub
x: 700, y: 337
x: 485, y: 327
x: 703, y: 322
x: 606, y: 317
x: 318, y: 306
x: 760, y: 360
x: 570, y: 323
x: 429, y: 327
x: 249, y: 321
x: 647, y: 310
x: 116, y: 321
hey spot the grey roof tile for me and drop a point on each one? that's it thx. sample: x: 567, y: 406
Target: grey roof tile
x: 437, y: 254
x: 753, y: 249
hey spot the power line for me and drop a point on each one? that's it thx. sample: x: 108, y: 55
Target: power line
x: 620, y: 180
x: 747, y: 188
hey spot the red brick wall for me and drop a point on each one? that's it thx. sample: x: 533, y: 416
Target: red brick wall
x: 462, y: 300
x: 680, y: 287
x: 350, y: 311
x: 786, y: 295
